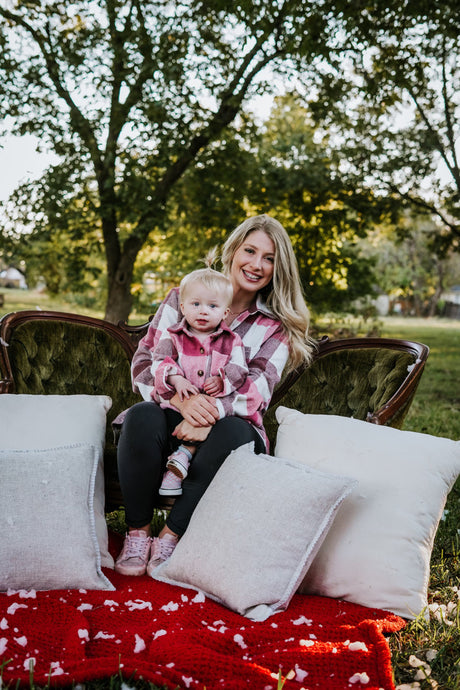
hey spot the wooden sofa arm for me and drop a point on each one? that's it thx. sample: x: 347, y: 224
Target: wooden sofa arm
x: 6, y: 386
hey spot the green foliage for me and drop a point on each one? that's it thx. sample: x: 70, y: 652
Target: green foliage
x: 408, y: 267
x: 393, y: 103
x: 324, y: 216
x: 144, y: 105
x: 285, y: 172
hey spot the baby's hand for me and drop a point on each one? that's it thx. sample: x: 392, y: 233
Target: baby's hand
x: 184, y: 388
x: 213, y: 385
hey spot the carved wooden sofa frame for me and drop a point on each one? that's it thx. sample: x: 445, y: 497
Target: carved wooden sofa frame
x: 57, y: 353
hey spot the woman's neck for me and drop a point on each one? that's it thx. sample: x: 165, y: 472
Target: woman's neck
x: 241, y: 301
x: 237, y: 308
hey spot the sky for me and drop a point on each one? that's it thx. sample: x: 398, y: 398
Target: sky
x: 19, y: 160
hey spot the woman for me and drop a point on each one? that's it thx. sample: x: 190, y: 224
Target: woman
x: 269, y: 313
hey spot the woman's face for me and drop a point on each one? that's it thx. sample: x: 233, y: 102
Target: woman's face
x: 253, y: 263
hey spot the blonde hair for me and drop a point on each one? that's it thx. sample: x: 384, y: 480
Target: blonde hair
x: 216, y: 282
x: 283, y: 295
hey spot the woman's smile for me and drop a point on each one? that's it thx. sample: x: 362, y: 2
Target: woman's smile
x: 251, y: 276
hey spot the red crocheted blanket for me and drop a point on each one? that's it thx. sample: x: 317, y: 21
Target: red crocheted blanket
x: 177, y: 638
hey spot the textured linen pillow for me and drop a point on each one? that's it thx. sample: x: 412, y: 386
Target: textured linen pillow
x: 378, y: 553
x: 47, y: 519
x: 255, y: 531
x: 35, y: 422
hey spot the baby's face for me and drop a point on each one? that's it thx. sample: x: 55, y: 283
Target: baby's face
x: 203, y: 309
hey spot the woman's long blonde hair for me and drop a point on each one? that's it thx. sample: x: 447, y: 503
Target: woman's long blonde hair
x: 283, y: 295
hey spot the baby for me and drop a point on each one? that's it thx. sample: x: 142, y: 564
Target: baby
x: 198, y: 355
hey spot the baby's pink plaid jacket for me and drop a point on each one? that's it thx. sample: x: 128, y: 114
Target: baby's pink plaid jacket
x: 266, y: 354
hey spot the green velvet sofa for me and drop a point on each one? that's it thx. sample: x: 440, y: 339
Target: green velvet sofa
x: 55, y: 353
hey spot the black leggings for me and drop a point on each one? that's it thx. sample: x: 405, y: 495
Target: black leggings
x: 146, y: 441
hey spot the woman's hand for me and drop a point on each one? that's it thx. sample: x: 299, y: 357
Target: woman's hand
x: 187, y: 432
x: 198, y: 410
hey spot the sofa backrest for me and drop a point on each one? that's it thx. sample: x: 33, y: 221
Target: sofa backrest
x: 373, y: 379
x: 57, y: 353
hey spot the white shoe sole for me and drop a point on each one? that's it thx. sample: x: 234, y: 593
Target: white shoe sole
x: 170, y: 492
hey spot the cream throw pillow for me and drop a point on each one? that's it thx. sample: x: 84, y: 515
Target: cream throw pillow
x: 378, y: 552
x: 34, y: 422
x: 255, y: 532
x: 47, y: 519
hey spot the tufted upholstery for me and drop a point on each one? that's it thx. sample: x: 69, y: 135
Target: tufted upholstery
x: 66, y: 358
x: 370, y: 379
x: 55, y: 353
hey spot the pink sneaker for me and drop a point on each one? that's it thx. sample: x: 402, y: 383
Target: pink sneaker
x: 171, y: 485
x: 162, y: 548
x: 135, y: 553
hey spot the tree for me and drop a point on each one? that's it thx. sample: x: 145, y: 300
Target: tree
x: 393, y: 104
x: 283, y: 168
x: 325, y: 215
x: 409, y: 269
x: 129, y: 93
x: 56, y: 236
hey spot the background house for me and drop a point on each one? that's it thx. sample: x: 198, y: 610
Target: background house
x: 12, y: 278
x: 451, y: 299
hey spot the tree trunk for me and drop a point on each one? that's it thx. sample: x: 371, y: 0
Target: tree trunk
x: 433, y: 303
x: 119, y: 302
x: 120, y: 268
x: 119, y: 298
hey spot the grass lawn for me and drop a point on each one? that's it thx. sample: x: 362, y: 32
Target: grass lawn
x: 428, y: 654
x: 15, y: 299
x: 425, y: 654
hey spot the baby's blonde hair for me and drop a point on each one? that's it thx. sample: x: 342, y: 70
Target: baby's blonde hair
x: 213, y: 280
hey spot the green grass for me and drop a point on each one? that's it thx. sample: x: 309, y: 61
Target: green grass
x: 425, y: 652
x: 15, y: 300
x: 435, y: 410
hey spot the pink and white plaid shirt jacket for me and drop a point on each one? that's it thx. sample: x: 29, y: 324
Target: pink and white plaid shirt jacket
x: 265, y: 348
x: 221, y: 354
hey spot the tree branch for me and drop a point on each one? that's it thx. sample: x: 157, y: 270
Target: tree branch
x: 118, y: 114
x: 427, y: 206
x: 231, y: 100
x: 449, y: 125
x: 119, y: 111
x: 439, y: 144
x: 81, y: 124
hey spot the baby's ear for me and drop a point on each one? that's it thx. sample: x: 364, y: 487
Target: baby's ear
x: 182, y: 308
